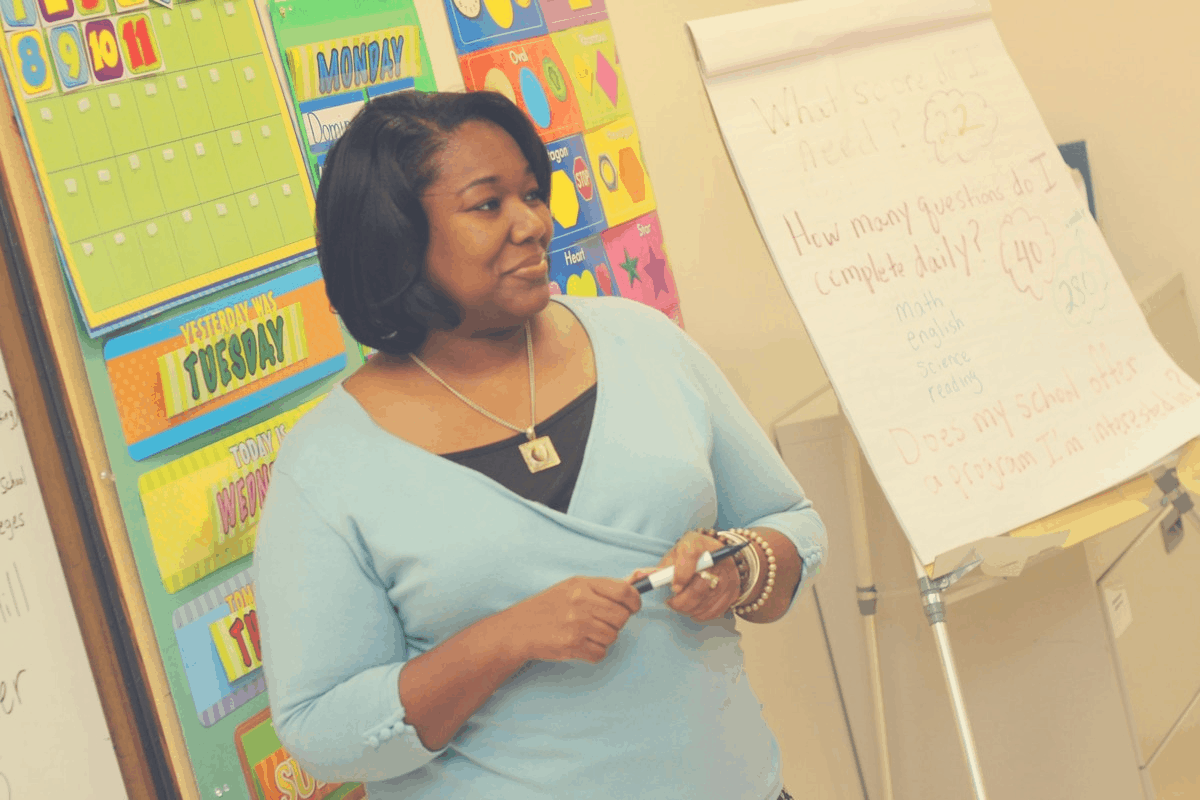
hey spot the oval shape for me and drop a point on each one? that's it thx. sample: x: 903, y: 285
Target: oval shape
x: 536, y: 102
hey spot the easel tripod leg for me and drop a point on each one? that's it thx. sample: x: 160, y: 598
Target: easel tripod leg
x: 935, y: 612
x: 867, y: 600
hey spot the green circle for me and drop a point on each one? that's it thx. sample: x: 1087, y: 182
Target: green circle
x: 554, y: 77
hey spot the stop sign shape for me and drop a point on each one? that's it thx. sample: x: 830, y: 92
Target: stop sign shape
x: 583, y: 179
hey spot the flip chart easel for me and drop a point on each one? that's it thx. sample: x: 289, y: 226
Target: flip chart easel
x: 1133, y: 502
x: 976, y: 329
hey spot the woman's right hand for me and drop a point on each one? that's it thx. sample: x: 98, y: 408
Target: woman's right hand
x: 575, y: 619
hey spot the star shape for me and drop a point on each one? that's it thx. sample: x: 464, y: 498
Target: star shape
x: 630, y: 265
x: 656, y: 268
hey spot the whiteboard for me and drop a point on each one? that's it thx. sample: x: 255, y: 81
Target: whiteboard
x: 53, y: 738
x: 981, y: 339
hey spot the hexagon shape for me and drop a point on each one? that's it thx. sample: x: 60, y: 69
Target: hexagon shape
x: 564, y: 203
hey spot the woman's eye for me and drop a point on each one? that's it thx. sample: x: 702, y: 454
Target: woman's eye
x: 536, y: 194
x: 488, y: 205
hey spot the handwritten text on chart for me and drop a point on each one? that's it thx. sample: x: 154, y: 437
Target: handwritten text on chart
x: 8, y: 413
x: 1011, y: 424
x: 945, y: 232
x: 14, y: 602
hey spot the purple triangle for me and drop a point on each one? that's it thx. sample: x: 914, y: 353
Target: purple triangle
x: 606, y: 76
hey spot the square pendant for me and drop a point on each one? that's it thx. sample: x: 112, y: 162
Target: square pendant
x: 539, y: 454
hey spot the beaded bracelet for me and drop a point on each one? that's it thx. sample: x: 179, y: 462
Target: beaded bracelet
x: 740, y: 608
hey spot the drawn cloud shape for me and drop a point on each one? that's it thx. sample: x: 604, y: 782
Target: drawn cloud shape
x: 959, y: 125
x: 1027, y: 253
x: 1081, y: 284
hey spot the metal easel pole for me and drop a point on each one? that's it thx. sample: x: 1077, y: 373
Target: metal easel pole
x: 935, y: 612
x: 867, y: 598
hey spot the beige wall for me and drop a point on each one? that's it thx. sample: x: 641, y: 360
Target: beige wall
x: 1122, y: 77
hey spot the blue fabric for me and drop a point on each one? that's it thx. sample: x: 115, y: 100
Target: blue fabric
x: 372, y: 551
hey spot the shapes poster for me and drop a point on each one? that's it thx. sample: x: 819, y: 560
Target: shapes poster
x: 218, y: 640
x: 272, y: 774
x: 562, y: 14
x: 202, y: 509
x: 476, y: 24
x: 590, y: 56
x: 339, y: 56
x: 581, y: 269
x: 194, y: 372
x: 531, y: 74
x: 161, y: 143
x: 623, y: 184
x: 574, y: 199
x: 639, y: 264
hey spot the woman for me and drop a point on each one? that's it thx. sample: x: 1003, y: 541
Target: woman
x: 446, y: 608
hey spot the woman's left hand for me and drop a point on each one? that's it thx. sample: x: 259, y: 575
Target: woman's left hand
x: 692, y: 595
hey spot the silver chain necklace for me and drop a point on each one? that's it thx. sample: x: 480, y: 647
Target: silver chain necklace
x: 538, y: 451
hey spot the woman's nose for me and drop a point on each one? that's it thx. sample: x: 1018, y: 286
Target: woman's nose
x: 529, y: 222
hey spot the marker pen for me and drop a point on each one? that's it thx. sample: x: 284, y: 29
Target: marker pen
x: 664, y: 576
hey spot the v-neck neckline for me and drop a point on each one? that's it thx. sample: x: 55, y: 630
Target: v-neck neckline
x: 598, y: 422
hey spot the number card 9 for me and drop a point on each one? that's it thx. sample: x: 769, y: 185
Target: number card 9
x: 66, y: 46
x: 32, y: 66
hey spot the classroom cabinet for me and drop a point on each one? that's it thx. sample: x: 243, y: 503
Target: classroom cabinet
x: 1151, y: 598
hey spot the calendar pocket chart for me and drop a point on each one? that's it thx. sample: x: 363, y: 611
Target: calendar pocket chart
x: 194, y: 372
x: 531, y: 74
x: 161, y: 142
x: 477, y: 24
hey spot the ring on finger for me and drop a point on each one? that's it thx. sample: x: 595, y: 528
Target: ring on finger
x: 712, y: 579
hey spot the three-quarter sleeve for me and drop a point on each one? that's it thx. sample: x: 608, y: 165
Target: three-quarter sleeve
x: 333, y: 647
x: 754, y: 487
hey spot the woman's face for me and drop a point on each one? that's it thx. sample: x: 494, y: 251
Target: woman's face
x: 489, y: 228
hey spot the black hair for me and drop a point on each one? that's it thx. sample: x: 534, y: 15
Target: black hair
x: 372, y: 231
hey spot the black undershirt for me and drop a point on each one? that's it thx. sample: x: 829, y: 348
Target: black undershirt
x: 568, y: 429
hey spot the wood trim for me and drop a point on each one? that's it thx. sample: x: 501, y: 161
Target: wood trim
x: 36, y: 243
x: 52, y: 476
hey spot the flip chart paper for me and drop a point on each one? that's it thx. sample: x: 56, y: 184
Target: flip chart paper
x: 982, y: 341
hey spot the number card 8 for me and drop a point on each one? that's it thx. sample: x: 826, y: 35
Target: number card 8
x: 32, y: 67
x: 66, y: 46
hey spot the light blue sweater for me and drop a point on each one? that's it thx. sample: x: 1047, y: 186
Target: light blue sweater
x: 372, y: 551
